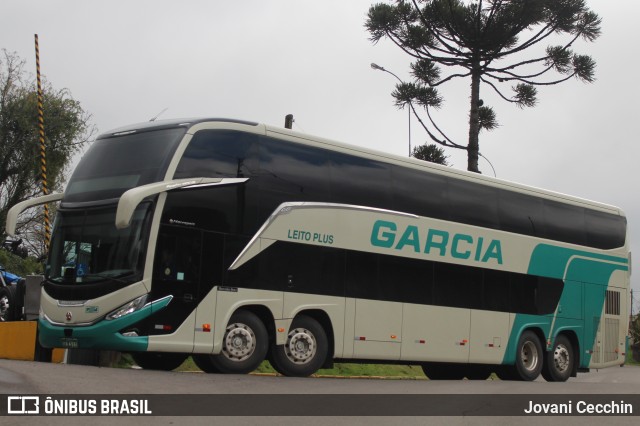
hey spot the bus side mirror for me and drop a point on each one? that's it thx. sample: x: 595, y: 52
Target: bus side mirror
x: 12, y: 215
x: 131, y: 198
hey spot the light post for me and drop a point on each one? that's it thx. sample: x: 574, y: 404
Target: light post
x: 379, y: 68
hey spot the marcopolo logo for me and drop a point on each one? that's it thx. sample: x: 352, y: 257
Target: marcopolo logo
x: 434, y: 241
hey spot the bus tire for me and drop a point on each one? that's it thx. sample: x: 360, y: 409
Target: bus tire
x: 443, y: 371
x: 21, y: 294
x: 204, y: 363
x: 163, y: 361
x: 558, y: 363
x: 529, y: 357
x: 8, y: 303
x: 244, y: 345
x: 305, y: 350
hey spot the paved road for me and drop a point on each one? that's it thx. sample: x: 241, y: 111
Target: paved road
x: 21, y: 377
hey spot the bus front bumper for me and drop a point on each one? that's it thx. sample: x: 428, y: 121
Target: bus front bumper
x: 105, y: 334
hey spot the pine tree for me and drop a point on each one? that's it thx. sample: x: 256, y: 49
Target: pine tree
x: 484, y: 41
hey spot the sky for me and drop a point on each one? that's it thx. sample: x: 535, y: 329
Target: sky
x: 127, y: 61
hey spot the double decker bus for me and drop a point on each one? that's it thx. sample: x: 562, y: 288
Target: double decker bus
x: 234, y: 242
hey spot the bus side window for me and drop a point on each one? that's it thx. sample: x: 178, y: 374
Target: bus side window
x: 521, y: 213
x: 473, y: 204
x: 565, y: 222
x: 605, y: 230
x: 420, y: 193
x: 219, y: 153
x: 360, y: 181
x: 291, y: 172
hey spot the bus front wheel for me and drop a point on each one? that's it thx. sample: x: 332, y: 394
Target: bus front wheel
x: 305, y: 350
x: 204, y: 363
x: 244, y: 345
x: 559, y: 361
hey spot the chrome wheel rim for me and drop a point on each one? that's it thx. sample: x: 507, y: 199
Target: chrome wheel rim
x: 529, y: 356
x: 239, y: 342
x: 4, y: 307
x: 301, y: 346
x: 561, y: 358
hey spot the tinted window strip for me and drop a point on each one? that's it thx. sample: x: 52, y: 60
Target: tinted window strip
x: 356, y: 180
x: 308, y: 269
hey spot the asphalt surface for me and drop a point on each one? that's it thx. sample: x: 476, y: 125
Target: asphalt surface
x: 24, y: 377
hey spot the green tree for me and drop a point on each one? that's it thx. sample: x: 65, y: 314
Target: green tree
x: 67, y: 130
x: 634, y: 329
x: 430, y: 152
x: 19, y: 266
x: 484, y: 41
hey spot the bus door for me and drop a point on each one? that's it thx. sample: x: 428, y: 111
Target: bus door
x: 213, y: 246
x: 176, y: 272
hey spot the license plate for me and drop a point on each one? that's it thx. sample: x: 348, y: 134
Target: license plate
x: 69, y: 342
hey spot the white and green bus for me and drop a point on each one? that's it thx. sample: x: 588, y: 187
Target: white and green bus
x: 234, y: 242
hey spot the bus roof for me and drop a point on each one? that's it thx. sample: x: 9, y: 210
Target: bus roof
x: 364, y: 152
x: 169, y: 124
x: 444, y: 170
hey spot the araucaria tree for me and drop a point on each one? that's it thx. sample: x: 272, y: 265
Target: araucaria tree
x: 67, y: 130
x: 484, y: 41
x: 430, y: 152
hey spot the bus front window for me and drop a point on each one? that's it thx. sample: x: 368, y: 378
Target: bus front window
x: 87, y: 247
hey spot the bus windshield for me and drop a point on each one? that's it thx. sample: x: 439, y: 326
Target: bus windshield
x: 87, y: 247
x: 115, y: 164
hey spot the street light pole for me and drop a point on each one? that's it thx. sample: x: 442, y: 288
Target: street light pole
x: 379, y: 68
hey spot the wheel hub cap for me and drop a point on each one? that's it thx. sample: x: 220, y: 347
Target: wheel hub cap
x: 4, y: 308
x: 529, y: 356
x: 239, y: 342
x: 301, y: 346
x: 561, y: 357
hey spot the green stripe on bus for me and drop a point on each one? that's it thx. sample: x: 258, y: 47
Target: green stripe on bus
x: 551, y: 261
x: 586, y: 276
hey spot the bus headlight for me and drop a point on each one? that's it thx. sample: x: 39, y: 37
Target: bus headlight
x: 134, y: 305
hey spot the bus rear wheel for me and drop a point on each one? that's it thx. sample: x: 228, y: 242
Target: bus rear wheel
x: 305, y: 350
x: 559, y: 361
x: 164, y: 361
x: 529, y: 357
x: 244, y: 345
